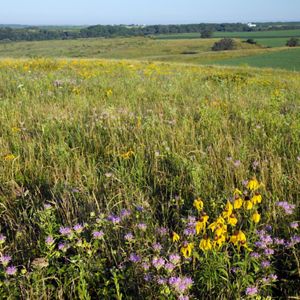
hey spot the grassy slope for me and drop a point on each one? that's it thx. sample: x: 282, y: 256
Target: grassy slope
x: 147, y: 49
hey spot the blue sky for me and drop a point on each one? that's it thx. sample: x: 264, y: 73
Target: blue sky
x: 63, y: 12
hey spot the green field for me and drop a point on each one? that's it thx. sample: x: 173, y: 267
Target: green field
x: 282, y: 59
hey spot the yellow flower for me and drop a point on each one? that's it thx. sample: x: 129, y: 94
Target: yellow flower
x: 175, y: 237
x: 238, y: 238
x: 187, y: 249
x: 256, y: 217
x: 237, y: 192
x: 219, y: 222
x: 232, y: 220
x: 219, y: 240
x: 109, y: 92
x: 205, y: 244
x: 253, y: 184
x: 15, y: 129
x: 9, y: 157
x: 228, y: 210
x: 198, y: 204
x: 248, y: 205
x: 256, y: 198
x: 127, y: 154
x: 201, y: 223
x: 237, y: 204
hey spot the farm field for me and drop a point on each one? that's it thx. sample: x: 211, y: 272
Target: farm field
x: 190, y: 51
x: 122, y: 179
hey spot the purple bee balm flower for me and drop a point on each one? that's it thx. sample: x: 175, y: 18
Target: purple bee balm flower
x: 183, y: 297
x: 294, y: 240
x: 114, y: 219
x: 128, y: 237
x: 98, y: 234
x: 268, y: 252
x: 142, y: 226
x: 180, y: 284
x: 145, y: 266
x: 265, y: 264
x: 251, y: 291
x: 278, y: 241
x: 174, y: 258
x: 125, y: 213
x: 162, y: 231
x: 255, y: 255
x: 147, y: 277
x: 294, y: 225
x: 158, y: 262
x: 62, y: 247
x: 78, y: 228
x: 190, y: 231
x: 245, y: 182
x: 169, y: 267
x: 287, y: 207
x: 157, y: 247
x: 12, y: 270
x: 161, y: 281
x: 139, y: 208
x: 2, y: 238
x: 65, y: 230
x: 134, y: 258
x: 49, y: 240
x: 5, y: 259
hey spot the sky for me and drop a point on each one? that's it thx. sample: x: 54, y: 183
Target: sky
x: 89, y: 12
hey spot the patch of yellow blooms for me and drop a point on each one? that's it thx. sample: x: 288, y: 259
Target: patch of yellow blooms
x: 220, y: 232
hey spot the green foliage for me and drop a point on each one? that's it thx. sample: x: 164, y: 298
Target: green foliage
x: 224, y: 44
x: 293, y: 42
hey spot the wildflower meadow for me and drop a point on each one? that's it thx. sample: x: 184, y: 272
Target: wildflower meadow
x: 135, y: 180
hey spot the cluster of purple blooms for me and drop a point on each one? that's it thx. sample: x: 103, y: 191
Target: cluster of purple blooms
x: 190, y: 229
x: 6, y: 259
x: 180, y: 284
x: 287, y: 207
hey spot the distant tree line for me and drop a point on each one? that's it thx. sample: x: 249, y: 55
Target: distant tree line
x: 105, y: 31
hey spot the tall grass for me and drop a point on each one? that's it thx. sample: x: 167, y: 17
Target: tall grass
x: 92, y: 137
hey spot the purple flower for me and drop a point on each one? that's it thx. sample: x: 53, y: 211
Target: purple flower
x: 128, y: 236
x: 5, y: 259
x: 162, y: 231
x: 161, y: 281
x: 114, y: 219
x: 294, y: 240
x: 278, y: 241
x: 142, y: 226
x: 174, y: 258
x: 139, y: 208
x: 288, y: 208
x: 134, y: 258
x: 147, y: 277
x: 98, y: 234
x: 255, y: 255
x: 180, y: 284
x: 12, y: 270
x: 65, y: 231
x: 265, y: 264
x: 251, y: 291
x: 158, y: 262
x: 255, y: 164
x: 78, y: 228
x: 62, y: 247
x: 190, y: 231
x: 125, y: 213
x: 294, y: 225
x: 157, y: 247
x: 182, y: 297
x: 169, y: 267
x: 2, y: 238
x: 49, y: 240
x: 145, y: 266
x: 268, y: 251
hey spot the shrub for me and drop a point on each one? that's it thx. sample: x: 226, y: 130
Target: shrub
x: 224, y: 44
x: 206, y: 33
x: 251, y: 41
x: 293, y: 42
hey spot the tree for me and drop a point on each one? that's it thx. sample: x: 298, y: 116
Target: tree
x: 293, y: 42
x: 206, y: 33
x: 251, y: 41
x: 224, y: 44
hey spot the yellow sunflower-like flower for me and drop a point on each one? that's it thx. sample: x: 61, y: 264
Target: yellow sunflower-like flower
x: 201, y: 223
x: 256, y: 198
x: 256, y: 217
x: 253, y: 184
x: 238, y: 203
x: 205, y: 244
x: 198, y: 204
x: 187, y: 249
x: 228, y: 210
x: 232, y: 220
x: 219, y: 240
x: 248, y: 205
x: 175, y: 237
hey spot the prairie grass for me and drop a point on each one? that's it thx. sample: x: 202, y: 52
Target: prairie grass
x: 84, y: 139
